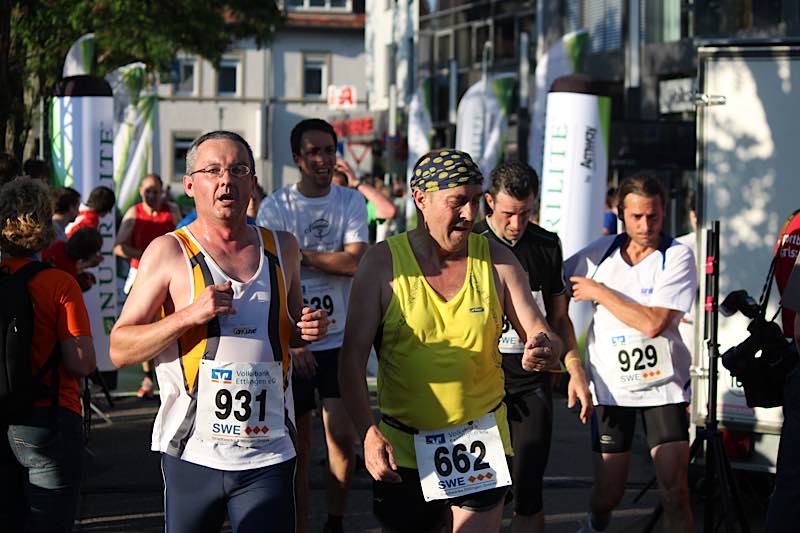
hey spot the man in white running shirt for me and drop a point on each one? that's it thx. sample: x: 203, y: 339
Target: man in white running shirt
x: 641, y: 282
x: 217, y: 305
x: 330, y: 224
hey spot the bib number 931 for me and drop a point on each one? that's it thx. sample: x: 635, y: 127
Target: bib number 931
x: 240, y: 403
x: 242, y: 412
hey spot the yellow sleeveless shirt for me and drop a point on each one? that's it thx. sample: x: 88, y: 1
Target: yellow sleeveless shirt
x: 439, y: 364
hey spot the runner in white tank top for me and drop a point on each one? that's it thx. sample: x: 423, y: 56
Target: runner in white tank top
x: 213, y: 303
x: 243, y: 338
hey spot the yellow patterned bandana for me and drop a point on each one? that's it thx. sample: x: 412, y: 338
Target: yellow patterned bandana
x: 445, y: 169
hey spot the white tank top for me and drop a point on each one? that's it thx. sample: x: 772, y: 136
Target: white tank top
x: 258, y: 333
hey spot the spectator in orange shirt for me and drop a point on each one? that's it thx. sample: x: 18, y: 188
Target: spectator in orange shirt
x: 41, y: 450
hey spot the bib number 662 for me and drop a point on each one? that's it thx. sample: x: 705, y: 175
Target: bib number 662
x: 445, y: 460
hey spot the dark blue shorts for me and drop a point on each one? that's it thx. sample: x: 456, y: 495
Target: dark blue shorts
x: 196, y: 498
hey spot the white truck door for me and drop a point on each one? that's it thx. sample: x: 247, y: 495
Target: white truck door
x: 748, y: 179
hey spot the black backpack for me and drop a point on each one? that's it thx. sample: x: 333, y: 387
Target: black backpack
x: 19, y: 386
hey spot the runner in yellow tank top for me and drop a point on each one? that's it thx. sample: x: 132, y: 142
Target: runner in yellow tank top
x: 432, y: 301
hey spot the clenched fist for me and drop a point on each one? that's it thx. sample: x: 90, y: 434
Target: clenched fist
x: 538, y: 352
x: 313, y: 324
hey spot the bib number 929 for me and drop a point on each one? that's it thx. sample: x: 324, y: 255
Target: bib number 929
x: 641, y: 359
x: 325, y: 302
x: 445, y: 461
x: 224, y: 401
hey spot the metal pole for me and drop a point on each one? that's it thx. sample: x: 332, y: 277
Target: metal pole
x: 486, y: 60
x: 392, y: 130
x: 523, y: 93
x: 712, y: 298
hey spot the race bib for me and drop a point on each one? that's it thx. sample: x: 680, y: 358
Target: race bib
x: 240, y: 403
x: 321, y: 292
x: 509, y: 340
x: 461, y: 460
x: 639, y: 362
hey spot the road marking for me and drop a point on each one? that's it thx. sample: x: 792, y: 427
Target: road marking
x: 118, y: 518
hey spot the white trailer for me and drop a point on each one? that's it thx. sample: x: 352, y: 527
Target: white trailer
x: 748, y: 150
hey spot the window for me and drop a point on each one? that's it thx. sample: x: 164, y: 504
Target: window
x: 228, y: 77
x: 444, y: 48
x: 463, y: 46
x: 505, y: 39
x: 185, y: 78
x: 603, y: 19
x: 315, y: 75
x: 662, y: 20
x: 320, y: 5
x: 181, y: 145
x: 483, y: 33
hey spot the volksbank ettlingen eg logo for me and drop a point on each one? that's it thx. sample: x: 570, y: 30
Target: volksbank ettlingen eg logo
x: 434, y: 439
x: 221, y: 375
x: 617, y: 340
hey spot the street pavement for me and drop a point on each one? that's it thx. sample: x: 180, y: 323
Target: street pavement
x: 122, y: 490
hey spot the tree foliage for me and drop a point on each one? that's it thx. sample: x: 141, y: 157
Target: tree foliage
x: 35, y: 36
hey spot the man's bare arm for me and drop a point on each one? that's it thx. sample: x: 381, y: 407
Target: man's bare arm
x: 578, y: 389
x: 78, y: 355
x: 123, y: 247
x: 138, y: 336
x: 384, y: 208
x: 651, y: 321
x: 314, y: 322
x: 367, y: 307
x: 344, y: 263
x: 519, y: 306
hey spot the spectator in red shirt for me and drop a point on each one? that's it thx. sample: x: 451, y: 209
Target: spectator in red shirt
x: 66, y: 202
x: 100, y: 203
x: 143, y: 223
x: 786, y: 249
x: 80, y: 252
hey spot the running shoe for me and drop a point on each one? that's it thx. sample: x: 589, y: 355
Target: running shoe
x: 146, y: 390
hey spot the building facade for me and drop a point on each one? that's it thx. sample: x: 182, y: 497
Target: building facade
x: 261, y: 93
x: 643, y: 52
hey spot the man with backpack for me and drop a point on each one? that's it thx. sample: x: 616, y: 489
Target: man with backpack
x: 45, y: 348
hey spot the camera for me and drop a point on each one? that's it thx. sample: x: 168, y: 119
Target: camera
x: 762, y: 361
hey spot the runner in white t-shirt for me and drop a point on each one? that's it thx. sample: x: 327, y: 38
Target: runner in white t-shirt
x: 330, y: 223
x: 641, y: 283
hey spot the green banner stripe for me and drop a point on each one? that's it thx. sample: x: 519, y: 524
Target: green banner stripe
x: 604, y: 112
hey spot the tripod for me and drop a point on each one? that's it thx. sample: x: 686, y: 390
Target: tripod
x: 719, y: 481
x: 719, y: 474
x: 97, y: 378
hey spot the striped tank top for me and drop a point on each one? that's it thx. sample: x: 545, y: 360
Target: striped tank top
x: 258, y: 332
x: 438, y: 361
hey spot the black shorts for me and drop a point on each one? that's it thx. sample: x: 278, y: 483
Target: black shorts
x: 613, y: 425
x: 326, y: 381
x: 401, y: 506
x: 530, y: 418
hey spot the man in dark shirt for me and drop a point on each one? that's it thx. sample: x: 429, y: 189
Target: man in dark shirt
x: 511, y: 197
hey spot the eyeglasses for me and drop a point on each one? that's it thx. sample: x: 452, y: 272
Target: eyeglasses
x: 237, y: 171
